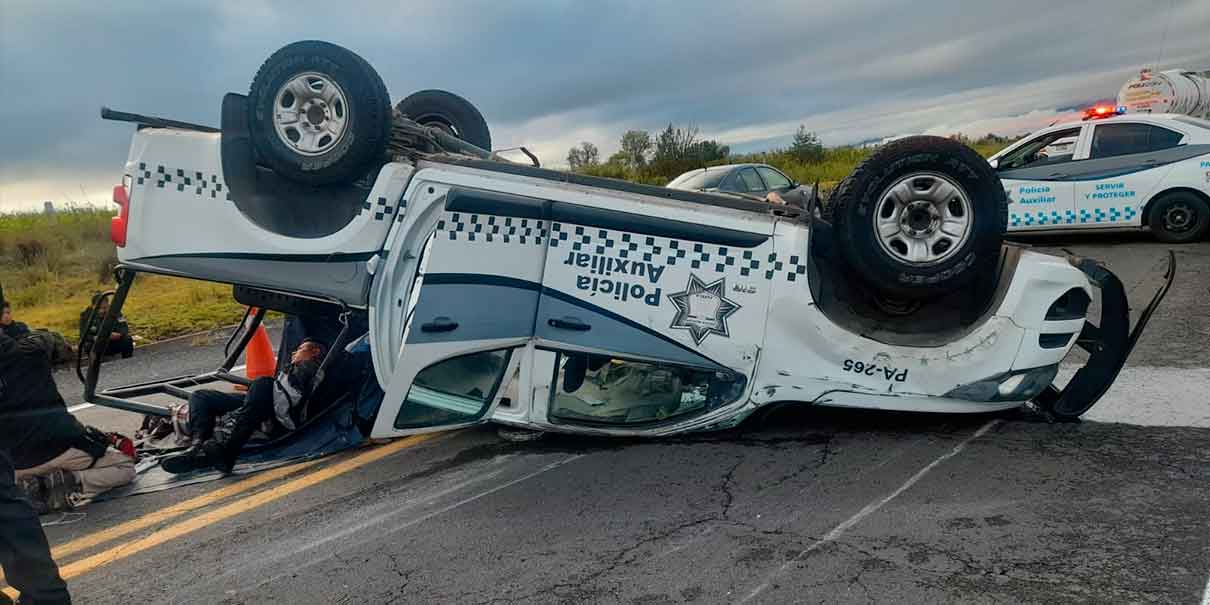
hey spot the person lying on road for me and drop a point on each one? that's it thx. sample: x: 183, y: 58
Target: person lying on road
x: 60, y: 463
x: 280, y: 399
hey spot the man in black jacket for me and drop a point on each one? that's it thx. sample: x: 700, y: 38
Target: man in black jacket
x: 24, y: 553
x: 281, y: 398
x: 120, y: 341
x: 13, y: 329
x: 59, y: 462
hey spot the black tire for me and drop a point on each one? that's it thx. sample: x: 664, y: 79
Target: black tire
x: 1179, y: 217
x: 910, y: 161
x: 449, y: 112
x: 366, y: 107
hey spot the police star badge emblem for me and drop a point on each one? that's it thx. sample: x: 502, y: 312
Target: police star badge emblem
x: 703, y: 309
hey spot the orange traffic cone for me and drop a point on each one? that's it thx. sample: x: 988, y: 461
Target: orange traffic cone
x: 259, y: 358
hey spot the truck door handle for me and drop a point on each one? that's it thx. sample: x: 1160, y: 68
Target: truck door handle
x: 569, y: 323
x: 440, y: 324
x: 1055, y: 175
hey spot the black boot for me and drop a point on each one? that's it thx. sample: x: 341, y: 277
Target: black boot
x: 192, y: 459
x: 218, y: 456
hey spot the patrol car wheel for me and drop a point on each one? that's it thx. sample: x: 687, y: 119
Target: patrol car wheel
x: 449, y: 112
x: 318, y: 113
x: 1179, y: 217
x: 920, y: 217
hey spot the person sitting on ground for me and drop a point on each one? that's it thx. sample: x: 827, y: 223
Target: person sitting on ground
x: 119, y: 339
x: 14, y: 329
x: 281, y: 399
x: 60, y: 463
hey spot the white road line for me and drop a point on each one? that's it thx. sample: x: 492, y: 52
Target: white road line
x: 1206, y: 594
x: 381, y: 518
x: 868, y: 510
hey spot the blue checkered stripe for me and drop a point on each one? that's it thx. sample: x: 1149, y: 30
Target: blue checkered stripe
x: 462, y: 226
x: 1072, y: 217
x: 669, y: 252
x: 196, y: 182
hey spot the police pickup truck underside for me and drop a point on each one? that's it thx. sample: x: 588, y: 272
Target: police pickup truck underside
x: 502, y: 292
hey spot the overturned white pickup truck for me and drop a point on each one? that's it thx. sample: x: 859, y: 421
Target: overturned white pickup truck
x: 503, y: 292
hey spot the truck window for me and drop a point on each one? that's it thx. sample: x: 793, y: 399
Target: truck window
x: 598, y: 389
x: 455, y: 390
x: 1109, y: 140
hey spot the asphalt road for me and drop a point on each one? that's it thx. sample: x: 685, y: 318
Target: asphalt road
x: 801, y: 505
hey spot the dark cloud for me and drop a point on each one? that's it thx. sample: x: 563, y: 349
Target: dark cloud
x: 550, y: 74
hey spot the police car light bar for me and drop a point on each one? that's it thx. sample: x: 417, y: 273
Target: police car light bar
x: 1103, y: 111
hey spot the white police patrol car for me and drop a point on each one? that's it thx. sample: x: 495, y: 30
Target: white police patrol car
x: 1111, y: 171
x: 495, y: 291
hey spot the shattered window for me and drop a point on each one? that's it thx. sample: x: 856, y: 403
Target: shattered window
x: 598, y: 389
x: 453, y: 391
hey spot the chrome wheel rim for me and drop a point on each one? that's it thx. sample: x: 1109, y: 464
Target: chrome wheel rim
x: 922, y: 219
x: 1179, y: 218
x: 310, y: 114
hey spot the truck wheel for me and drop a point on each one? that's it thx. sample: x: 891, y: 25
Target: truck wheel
x: 1179, y: 217
x: 920, y: 217
x: 449, y: 112
x: 318, y: 113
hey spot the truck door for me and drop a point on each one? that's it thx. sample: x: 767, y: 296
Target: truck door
x: 454, y: 305
x: 1036, y: 176
x: 1126, y: 162
x: 651, y: 319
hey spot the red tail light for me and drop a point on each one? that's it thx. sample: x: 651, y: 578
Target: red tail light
x: 119, y: 223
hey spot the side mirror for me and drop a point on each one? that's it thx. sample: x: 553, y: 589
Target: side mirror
x: 995, y: 163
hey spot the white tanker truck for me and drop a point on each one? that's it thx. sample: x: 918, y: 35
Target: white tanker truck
x: 1171, y: 91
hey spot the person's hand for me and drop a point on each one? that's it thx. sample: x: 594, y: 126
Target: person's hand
x: 774, y: 198
x: 115, y: 336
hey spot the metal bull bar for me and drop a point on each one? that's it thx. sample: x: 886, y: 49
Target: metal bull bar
x: 121, y: 397
x: 1108, y: 344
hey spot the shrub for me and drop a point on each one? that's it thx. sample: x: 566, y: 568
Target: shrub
x: 30, y: 252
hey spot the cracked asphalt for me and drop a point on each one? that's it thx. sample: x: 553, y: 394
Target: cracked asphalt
x: 800, y: 505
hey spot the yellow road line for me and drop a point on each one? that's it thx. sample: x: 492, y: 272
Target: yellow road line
x: 242, y: 505
x: 176, y: 510
x: 237, y: 507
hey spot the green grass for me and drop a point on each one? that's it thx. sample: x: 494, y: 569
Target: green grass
x: 51, y: 265
x: 837, y: 163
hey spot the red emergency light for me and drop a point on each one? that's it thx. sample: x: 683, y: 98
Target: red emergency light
x: 1097, y: 112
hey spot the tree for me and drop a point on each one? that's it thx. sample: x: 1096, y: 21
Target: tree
x: 678, y: 150
x: 586, y: 154
x: 674, y: 143
x: 708, y: 151
x: 806, y: 147
x: 636, y: 147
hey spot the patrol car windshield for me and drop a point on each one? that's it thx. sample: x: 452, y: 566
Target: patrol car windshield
x: 1041, y: 150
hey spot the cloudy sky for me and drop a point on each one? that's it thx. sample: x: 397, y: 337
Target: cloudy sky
x: 551, y: 74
